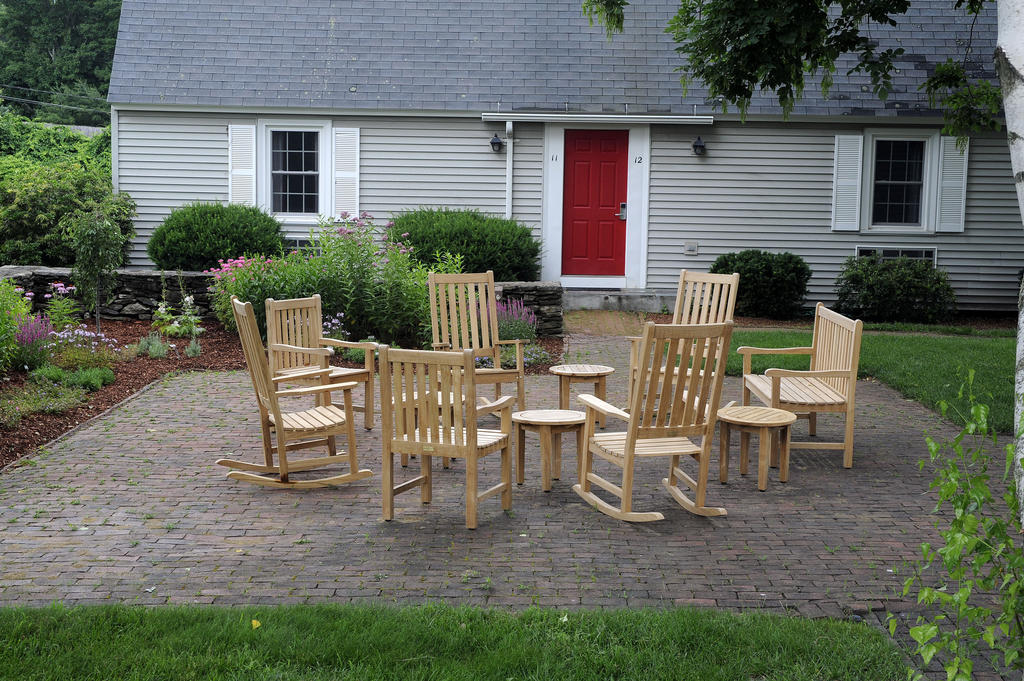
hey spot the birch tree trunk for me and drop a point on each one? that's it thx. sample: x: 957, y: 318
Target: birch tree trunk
x: 1010, y: 67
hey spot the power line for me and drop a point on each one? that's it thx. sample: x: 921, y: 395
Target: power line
x: 62, y: 106
x: 51, y: 92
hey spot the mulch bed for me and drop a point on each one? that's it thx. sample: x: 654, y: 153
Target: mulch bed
x: 221, y: 352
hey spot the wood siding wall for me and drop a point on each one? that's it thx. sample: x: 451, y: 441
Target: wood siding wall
x: 770, y: 187
x: 759, y: 186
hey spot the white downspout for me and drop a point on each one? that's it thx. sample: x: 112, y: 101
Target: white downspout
x: 508, y: 170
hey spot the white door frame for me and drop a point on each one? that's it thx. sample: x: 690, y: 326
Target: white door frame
x: 638, y: 181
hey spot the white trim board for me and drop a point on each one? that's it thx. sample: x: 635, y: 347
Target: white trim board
x: 638, y: 182
x: 614, y: 120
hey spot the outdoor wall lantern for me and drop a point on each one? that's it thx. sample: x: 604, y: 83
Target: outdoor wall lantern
x: 497, y: 143
x: 698, y: 146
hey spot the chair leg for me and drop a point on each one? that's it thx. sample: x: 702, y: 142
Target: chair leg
x: 332, y: 447
x: 784, y: 454
x: 627, y: 487
x: 506, y: 477
x: 427, y: 486
x: 471, y: 496
x: 848, y: 440
x: 521, y: 392
x: 520, y: 452
x: 723, y: 454
x: 812, y: 423
x: 368, y: 408
x: 282, y: 456
x: 388, y: 475
x: 268, y: 447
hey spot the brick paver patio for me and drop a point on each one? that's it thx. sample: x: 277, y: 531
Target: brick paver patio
x: 131, y: 508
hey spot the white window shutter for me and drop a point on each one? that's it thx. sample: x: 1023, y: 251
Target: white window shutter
x: 346, y: 171
x: 949, y: 215
x: 846, y: 182
x: 242, y: 164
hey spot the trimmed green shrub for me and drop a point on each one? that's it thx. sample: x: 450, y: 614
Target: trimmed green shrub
x: 894, y: 290
x: 38, y: 200
x: 485, y: 242
x: 772, y: 285
x: 197, y: 236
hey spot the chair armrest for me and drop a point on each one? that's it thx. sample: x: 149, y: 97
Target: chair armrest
x: 747, y: 351
x: 793, y: 373
x: 750, y: 350
x: 316, y: 389
x: 281, y: 347
x: 503, y: 402
x: 302, y: 375
x: 358, y: 345
x: 603, y: 407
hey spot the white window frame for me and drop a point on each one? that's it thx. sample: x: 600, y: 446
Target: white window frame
x: 325, y: 163
x: 935, y: 251
x: 929, y: 177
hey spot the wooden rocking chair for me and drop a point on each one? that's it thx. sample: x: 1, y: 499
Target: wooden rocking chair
x: 464, y: 315
x: 296, y: 343
x: 669, y: 407
x: 429, y: 408
x: 701, y: 298
x: 313, y: 427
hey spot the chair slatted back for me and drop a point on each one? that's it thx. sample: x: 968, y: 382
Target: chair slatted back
x: 836, y: 346
x: 255, y: 354
x: 705, y: 298
x: 463, y: 311
x: 433, y: 398
x: 298, y: 322
x: 679, y: 403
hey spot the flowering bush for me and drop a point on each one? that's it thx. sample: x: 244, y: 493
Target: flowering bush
x: 61, y: 308
x: 78, y: 347
x: 15, y: 305
x: 32, y: 337
x: 334, y: 326
x: 358, y: 271
x: 515, y: 320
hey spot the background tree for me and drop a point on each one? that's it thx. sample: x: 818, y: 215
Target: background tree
x: 58, y: 52
x: 738, y: 47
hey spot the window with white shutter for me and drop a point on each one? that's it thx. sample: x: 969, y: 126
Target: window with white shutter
x: 242, y: 164
x: 295, y: 170
x: 898, y: 181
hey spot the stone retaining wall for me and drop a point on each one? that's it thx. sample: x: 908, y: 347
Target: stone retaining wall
x: 139, y: 293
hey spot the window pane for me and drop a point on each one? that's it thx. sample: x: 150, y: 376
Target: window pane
x: 898, y: 183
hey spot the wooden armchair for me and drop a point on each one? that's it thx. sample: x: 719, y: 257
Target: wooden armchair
x: 297, y: 429
x: 829, y: 385
x: 464, y: 315
x: 669, y: 408
x: 700, y: 299
x: 429, y: 408
x: 296, y: 343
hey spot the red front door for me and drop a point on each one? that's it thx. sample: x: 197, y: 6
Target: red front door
x: 593, y: 234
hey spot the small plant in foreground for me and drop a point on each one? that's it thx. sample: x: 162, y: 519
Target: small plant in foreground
x: 46, y: 397
x: 980, y: 597
x: 194, y: 349
x: 154, y: 346
x: 79, y: 347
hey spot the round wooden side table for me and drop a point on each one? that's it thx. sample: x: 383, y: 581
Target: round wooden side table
x: 581, y: 373
x: 549, y: 424
x: 772, y: 428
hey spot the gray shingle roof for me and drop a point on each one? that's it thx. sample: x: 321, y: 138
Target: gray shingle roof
x: 468, y: 55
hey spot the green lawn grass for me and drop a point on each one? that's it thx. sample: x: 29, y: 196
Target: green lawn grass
x: 923, y: 367
x: 433, y: 642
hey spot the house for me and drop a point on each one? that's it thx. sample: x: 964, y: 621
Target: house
x: 526, y: 110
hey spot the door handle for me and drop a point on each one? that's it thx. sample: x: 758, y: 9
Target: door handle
x: 622, y: 211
